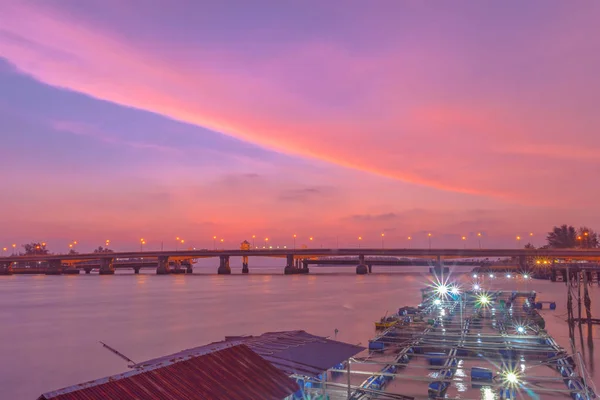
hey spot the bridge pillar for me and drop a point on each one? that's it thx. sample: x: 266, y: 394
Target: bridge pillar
x: 136, y: 270
x: 224, y: 268
x: 6, y: 268
x: 361, y: 268
x: 523, y: 263
x: 106, y: 266
x: 54, y: 267
x: 188, y: 266
x: 163, y: 267
x: 88, y: 270
x: 289, y: 265
x: 305, y: 269
x: 245, y: 269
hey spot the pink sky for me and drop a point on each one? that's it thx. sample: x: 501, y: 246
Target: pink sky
x: 193, y: 119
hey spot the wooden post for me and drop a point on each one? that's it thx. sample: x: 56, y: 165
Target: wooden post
x: 587, y: 301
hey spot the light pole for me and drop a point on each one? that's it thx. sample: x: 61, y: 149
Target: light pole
x: 294, y: 241
x: 222, y: 240
x: 107, y: 243
x: 311, y: 239
x: 409, y: 239
x: 253, y: 237
x: 4, y: 251
x: 142, y: 243
x: 382, y: 237
x: 214, y: 242
x: 429, y: 238
x: 182, y: 242
x: 518, y: 241
x: 359, y: 239
x: 177, y: 243
x: 266, y: 243
x: 531, y: 236
x: 479, y: 238
x: 14, y: 246
x: 464, y: 238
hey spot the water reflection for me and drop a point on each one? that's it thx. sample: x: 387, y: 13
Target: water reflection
x: 146, y: 316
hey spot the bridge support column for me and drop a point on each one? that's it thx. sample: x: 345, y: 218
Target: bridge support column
x: 523, y: 263
x: 370, y: 268
x: 163, y: 267
x: 289, y: 265
x: 224, y: 268
x: 54, y: 267
x: 305, y: 269
x: 136, y: 270
x: 188, y: 266
x: 6, y: 268
x: 245, y: 269
x: 88, y: 270
x: 106, y: 266
x: 361, y: 268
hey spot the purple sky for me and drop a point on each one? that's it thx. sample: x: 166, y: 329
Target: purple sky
x: 268, y: 118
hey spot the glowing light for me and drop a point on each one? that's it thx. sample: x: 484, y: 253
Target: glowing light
x: 525, y: 276
x: 437, y: 302
x: 511, y: 377
x: 455, y: 290
x: 476, y: 287
x: 491, y: 275
x: 508, y: 276
x: 520, y: 329
x: 442, y: 289
x: 442, y: 312
x: 474, y: 275
x: 484, y: 299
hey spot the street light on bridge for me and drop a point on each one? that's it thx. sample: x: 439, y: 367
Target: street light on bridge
x: 359, y: 239
x: 479, y: 238
x: 464, y: 238
x: 214, y: 242
x: 518, y: 241
x: 142, y: 243
x: 409, y: 239
x: 14, y: 246
x: 382, y: 237
x: 222, y: 240
x: 294, y: 241
x: 429, y: 238
x: 253, y: 237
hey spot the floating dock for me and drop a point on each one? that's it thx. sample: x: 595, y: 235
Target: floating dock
x: 465, y: 345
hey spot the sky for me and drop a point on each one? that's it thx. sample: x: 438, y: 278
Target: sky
x: 194, y: 119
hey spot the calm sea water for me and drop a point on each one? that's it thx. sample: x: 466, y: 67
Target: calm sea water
x: 50, y: 326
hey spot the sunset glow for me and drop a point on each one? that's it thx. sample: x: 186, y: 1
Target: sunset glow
x: 404, y: 118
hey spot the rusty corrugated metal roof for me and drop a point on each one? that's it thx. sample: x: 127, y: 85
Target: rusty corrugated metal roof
x: 293, y: 352
x: 233, y: 373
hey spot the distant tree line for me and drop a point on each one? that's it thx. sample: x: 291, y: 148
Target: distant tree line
x: 37, y: 248
x: 567, y: 237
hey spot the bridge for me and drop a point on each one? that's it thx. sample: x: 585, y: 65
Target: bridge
x: 297, y: 260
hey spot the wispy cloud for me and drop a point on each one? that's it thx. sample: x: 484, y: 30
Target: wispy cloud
x: 81, y: 129
x: 305, y: 194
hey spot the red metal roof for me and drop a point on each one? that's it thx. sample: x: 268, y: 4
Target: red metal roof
x: 233, y: 373
x: 293, y: 352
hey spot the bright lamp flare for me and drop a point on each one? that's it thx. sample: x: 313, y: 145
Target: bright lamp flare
x: 511, y: 378
x: 484, y: 299
x: 520, y: 329
x: 476, y: 287
x: 455, y: 290
x: 442, y: 289
x: 437, y: 302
